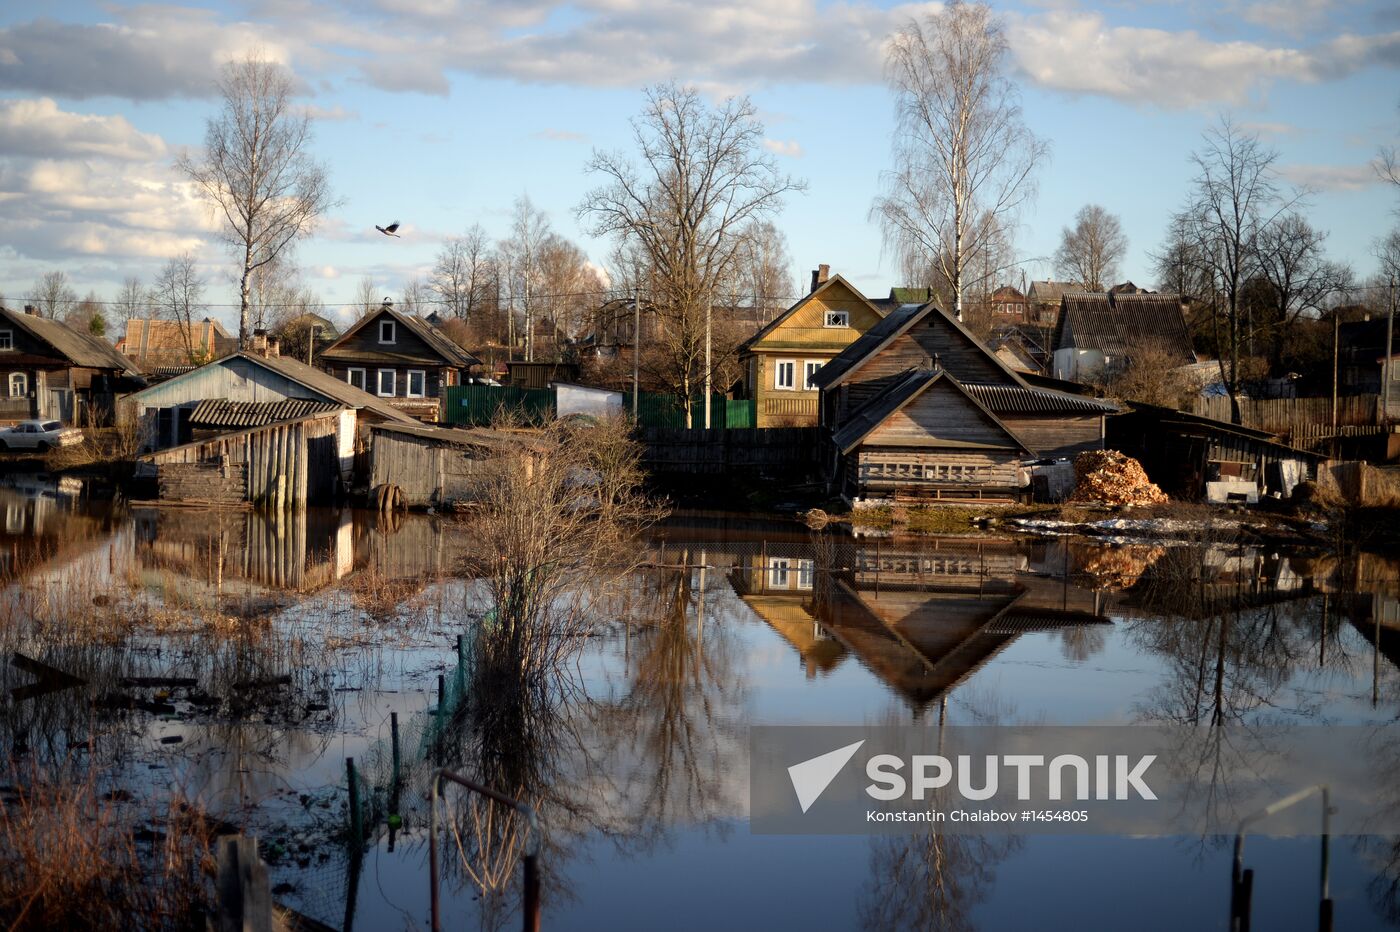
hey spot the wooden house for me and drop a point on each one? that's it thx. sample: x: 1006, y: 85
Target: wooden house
x: 259, y: 384
x: 781, y: 359
x: 437, y: 467
x: 167, y: 344
x: 919, y: 406
x: 51, y: 370
x: 1099, y: 332
x: 398, y: 357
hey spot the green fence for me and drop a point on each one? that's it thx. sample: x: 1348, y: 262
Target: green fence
x: 479, y: 405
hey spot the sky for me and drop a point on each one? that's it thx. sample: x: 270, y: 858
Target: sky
x: 439, y: 113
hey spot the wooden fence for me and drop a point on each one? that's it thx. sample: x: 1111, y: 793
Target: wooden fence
x: 1298, y: 419
x: 771, y: 451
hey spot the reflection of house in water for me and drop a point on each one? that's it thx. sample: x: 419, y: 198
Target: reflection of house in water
x: 923, y: 616
x: 43, y: 527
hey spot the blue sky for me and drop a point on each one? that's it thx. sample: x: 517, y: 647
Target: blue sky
x: 438, y: 113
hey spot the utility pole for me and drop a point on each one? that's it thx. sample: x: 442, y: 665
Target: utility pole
x: 636, y: 346
x: 1387, y: 375
x: 1336, y: 339
x: 709, y: 309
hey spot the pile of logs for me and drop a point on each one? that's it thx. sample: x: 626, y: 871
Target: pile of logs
x: 1110, y: 477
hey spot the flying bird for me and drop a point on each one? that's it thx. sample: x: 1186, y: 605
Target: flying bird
x: 390, y: 230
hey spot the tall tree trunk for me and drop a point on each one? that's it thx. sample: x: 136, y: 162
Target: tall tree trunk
x: 244, y: 286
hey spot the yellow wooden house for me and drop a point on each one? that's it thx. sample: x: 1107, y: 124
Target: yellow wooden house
x: 781, y: 359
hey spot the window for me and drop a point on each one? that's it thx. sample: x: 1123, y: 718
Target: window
x: 7, y: 339
x: 778, y: 568
x: 804, y: 574
x: 356, y: 377
x: 19, y: 385
x: 838, y: 319
x: 386, y: 385
x: 387, y: 330
x: 785, y: 374
x: 809, y: 369
x: 417, y: 383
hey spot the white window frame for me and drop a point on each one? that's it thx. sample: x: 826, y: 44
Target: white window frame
x: 810, y: 367
x: 779, y: 570
x: 778, y: 365
x: 350, y: 378
x: 836, y: 319
x: 22, y: 380
x: 806, y: 572
x: 379, y: 382
x: 393, y: 326
x: 408, y: 383
x: 7, y: 339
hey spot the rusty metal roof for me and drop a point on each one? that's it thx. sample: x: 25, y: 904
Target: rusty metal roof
x: 1005, y: 399
x: 220, y: 414
x: 1121, y: 324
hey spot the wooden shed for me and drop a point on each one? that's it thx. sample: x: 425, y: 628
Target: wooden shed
x: 927, y: 436
x: 439, y: 467
x: 287, y: 464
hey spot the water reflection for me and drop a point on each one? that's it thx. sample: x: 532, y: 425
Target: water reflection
x: 274, y: 647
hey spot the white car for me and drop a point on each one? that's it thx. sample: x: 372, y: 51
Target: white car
x: 38, y: 435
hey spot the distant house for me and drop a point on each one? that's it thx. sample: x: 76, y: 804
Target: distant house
x: 161, y: 344
x: 540, y: 373
x: 782, y: 358
x: 918, y: 406
x: 399, y: 357
x: 51, y: 370
x: 1364, y: 366
x: 1043, y: 300
x: 1008, y: 305
x: 254, y: 391
x: 1098, y: 331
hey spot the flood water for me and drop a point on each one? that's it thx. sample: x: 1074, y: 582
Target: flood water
x: 240, y: 660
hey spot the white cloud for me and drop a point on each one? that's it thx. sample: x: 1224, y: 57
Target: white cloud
x: 790, y: 148
x: 561, y: 135
x: 332, y: 114
x: 37, y: 127
x: 1080, y: 52
x: 1330, y: 177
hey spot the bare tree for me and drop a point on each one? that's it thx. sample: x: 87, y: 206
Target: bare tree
x: 87, y: 315
x: 1090, y: 250
x: 415, y: 298
x: 963, y: 157
x: 571, y: 284
x: 465, y: 272
x: 702, y: 180
x: 177, y: 294
x: 52, y: 296
x: 368, y: 297
x: 764, y: 274
x: 1387, y: 166
x: 1234, y: 199
x: 257, y: 170
x: 521, y: 253
x: 1300, y: 278
x: 131, y: 299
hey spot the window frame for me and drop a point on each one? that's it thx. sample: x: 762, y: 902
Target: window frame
x: 779, y: 572
x: 350, y: 378
x: 807, y: 385
x: 23, y: 378
x: 393, y: 326
x: 7, y: 340
x: 845, y: 319
x: 778, y: 365
x: 408, y: 383
x: 379, y: 382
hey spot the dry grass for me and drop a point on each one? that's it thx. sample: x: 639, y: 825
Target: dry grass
x: 99, y: 445
x: 72, y: 857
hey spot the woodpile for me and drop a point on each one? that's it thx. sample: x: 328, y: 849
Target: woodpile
x: 1110, y: 477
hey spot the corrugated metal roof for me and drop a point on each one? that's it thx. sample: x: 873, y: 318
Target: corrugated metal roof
x: 1004, y: 399
x: 219, y: 413
x: 1119, y: 325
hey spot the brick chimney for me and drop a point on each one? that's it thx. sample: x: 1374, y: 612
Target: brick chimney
x: 819, y: 276
x: 258, y: 345
x: 274, y: 346
x: 31, y: 310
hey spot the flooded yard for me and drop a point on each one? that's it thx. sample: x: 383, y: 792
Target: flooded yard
x: 298, y: 678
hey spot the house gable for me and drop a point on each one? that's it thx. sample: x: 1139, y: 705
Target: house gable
x: 804, y: 325
x: 412, y: 341
x: 942, y: 415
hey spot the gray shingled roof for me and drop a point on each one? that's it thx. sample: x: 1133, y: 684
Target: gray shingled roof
x: 80, y: 349
x: 222, y: 414
x: 1007, y: 399
x: 864, y: 344
x: 1116, y: 325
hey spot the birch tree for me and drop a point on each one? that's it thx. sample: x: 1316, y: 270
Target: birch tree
x: 178, y: 295
x: 964, y: 160
x: 700, y: 180
x: 131, y: 299
x: 521, y: 253
x: 465, y: 273
x: 1090, y: 250
x: 257, y: 170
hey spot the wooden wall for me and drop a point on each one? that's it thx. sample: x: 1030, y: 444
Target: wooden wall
x: 778, y: 451
x: 940, y: 413
x: 874, y: 472
x: 429, y: 472
x: 1061, y: 435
